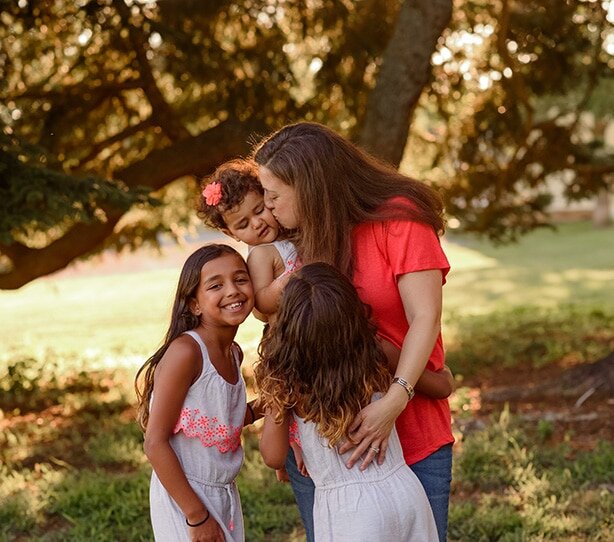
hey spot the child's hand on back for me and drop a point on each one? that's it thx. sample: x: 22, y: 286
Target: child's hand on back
x: 298, y: 455
x: 282, y: 475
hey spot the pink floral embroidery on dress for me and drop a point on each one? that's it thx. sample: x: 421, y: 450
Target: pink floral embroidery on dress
x: 294, y: 433
x: 208, y: 430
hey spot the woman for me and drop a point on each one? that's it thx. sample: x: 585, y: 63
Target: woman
x: 380, y: 229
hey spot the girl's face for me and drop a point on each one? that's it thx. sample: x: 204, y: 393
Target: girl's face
x: 251, y: 221
x: 225, y: 296
x: 280, y: 198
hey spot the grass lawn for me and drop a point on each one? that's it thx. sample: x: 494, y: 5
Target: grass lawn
x: 71, y: 460
x: 122, y: 317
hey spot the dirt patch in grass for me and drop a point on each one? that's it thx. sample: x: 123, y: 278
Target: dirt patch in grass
x: 581, y: 416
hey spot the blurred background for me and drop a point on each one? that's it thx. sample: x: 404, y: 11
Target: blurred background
x: 112, y: 111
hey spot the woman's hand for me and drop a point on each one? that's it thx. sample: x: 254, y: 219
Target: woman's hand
x: 209, y: 531
x: 372, y: 427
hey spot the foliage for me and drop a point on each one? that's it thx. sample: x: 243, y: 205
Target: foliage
x: 531, y: 336
x: 103, y: 97
x: 520, y: 491
x: 520, y: 96
x: 505, y: 486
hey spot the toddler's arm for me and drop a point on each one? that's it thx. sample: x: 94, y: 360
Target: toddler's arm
x: 267, y: 286
x: 436, y: 384
x: 274, y: 442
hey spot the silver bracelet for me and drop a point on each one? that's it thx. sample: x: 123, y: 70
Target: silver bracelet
x: 405, y: 385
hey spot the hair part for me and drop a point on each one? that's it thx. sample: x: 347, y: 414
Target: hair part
x: 338, y: 186
x: 182, y: 319
x: 237, y: 178
x: 321, y: 357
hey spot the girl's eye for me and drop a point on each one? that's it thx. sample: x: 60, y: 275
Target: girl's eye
x: 259, y: 210
x: 214, y: 287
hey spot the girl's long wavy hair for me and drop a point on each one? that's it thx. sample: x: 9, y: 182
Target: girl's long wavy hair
x: 338, y: 186
x: 321, y: 357
x: 182, y: 319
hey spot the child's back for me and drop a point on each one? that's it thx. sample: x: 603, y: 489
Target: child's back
x: 384, y: 502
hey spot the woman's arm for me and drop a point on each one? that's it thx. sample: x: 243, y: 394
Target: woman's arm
x: 174, y: 376
x: 274, y: 442
x: 261, y: 263
x: 421, y: 296
x: 435, y: 384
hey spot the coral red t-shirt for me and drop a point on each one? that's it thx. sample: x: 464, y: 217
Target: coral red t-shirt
x: 383, y: 251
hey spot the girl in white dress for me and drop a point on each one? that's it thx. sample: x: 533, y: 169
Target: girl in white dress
x: 192, y: 403
x: 320, y: 364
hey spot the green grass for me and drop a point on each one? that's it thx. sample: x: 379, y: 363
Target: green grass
x: 515, y: 488
x: 71, y: 460
x: 113, y: 319
x: 573, y: 264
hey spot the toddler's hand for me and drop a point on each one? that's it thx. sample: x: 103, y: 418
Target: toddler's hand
x: 282, y: 475
x: 298, y: 455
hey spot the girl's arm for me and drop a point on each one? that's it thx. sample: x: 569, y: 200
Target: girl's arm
x: 178, y: 368
x: 274, y: 442
x: 421, y: 296
x: 435, y: 384
x: 267, y: 288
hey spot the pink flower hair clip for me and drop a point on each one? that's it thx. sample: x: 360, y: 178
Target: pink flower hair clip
x: 212, y: 193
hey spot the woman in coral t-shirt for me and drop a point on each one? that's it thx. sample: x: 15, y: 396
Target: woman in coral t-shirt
x: 381, y: 229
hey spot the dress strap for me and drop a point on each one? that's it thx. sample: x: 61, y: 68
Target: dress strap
x: 201, y: 344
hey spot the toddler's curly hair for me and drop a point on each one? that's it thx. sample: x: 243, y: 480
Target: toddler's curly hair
x: 237, y: 178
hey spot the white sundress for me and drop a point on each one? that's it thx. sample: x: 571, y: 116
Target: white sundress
x: 207, y: 441
x: 384, y: 503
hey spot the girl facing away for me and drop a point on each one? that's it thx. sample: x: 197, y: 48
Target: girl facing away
x: 192, y: 402
x: 381, y: 230
x: 232, y: 201
x: 303, y: 374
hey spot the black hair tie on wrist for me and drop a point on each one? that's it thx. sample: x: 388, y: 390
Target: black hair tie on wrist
x: 199, y: 523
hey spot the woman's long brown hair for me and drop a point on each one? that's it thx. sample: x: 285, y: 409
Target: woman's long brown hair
x: 182, y: 319
x: 338, y: 186
x: 321, y: 357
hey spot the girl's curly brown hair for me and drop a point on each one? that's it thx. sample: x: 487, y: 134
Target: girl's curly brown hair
x: 321, y: 357
x: 237, y: 178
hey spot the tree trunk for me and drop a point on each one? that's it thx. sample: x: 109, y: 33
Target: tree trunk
x: 601, y: 212
x: 404, y: 71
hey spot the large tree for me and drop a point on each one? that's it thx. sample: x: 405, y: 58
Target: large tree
x: 112, y: 110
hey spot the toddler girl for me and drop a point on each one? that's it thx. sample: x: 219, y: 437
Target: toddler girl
x: 192, y: 402
x: 232, y: 201
x: 304, y: 374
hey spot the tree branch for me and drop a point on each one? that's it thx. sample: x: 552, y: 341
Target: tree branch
x: 162, y: 112
x: 197, y: 155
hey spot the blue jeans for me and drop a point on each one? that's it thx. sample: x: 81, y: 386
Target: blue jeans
x: 434, y: 472
x: 304, y: 490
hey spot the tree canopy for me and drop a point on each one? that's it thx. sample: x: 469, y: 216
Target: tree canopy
x: 112, y: 110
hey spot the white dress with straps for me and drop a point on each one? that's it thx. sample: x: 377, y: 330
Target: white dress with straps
x: 384, y: 503
x: 207, y: 441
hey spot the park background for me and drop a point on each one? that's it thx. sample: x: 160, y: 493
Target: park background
x: 112, y: 110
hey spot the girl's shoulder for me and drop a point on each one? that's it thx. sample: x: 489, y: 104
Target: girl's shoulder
x: 184, y: 355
